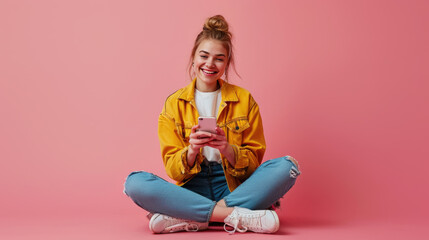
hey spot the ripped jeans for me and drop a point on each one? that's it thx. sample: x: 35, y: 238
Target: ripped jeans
x: 197, y: 198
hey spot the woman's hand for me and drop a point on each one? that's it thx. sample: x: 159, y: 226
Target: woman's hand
x: 220, y: 142
x: 197, y: 140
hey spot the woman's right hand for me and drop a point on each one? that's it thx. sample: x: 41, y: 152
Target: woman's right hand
x: 197, y: 140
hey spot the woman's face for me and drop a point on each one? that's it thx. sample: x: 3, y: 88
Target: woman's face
x: 210, y: 61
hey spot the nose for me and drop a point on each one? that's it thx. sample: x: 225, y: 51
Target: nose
x: 210, y: 62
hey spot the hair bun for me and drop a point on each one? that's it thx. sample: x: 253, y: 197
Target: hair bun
x: 216, y: 23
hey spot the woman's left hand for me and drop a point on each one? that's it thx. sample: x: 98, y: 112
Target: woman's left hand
x: 220, y: 143
x: 219, y: 140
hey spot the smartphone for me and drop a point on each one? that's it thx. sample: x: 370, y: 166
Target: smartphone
x: 207, y: 124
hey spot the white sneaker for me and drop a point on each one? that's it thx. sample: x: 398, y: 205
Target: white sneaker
x: 160, y: 223
x: 260, y: 221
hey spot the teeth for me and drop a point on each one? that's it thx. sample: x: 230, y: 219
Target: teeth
x: 208, y: 72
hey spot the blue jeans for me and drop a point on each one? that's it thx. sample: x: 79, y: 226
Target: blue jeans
x: 197, y: 198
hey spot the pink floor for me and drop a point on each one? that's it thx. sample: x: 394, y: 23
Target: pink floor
x: 124, y: 227
x: 133, y: 225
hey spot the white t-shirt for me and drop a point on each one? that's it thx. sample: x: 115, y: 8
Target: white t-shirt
x: 204, y: 102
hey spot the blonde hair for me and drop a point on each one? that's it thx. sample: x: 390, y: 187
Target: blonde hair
x: 215, y: 28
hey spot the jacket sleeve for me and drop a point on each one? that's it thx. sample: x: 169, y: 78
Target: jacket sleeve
x: 249, y: 155
x: 174, y: 150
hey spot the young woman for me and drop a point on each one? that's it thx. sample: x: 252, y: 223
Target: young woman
x: 219, y: 176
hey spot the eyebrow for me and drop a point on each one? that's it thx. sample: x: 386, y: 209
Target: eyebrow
x: 219, y: 55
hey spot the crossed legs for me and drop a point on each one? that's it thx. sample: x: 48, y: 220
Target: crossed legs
x: 267, y: 184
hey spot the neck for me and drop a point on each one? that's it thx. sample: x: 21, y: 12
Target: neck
x: 202, y: 87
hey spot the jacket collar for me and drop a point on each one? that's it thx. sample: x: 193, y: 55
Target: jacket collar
x: 227, y: 91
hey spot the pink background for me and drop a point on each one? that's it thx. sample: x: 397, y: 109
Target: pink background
x: 342, y: 86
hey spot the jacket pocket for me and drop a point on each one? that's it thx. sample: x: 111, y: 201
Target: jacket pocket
x: 236, y: 127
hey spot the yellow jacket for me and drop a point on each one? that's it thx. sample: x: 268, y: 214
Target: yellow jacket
x: 238, y: 116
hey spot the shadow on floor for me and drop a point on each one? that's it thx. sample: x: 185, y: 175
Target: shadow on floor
x: 297, y: 222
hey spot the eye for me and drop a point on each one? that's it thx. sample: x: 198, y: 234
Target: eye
x: 220, y: 59
x: 203, y: 56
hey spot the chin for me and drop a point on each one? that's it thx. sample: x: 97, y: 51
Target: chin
x: 209, y: 80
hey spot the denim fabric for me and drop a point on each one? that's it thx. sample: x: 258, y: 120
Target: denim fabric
x: 271, y: 180
x: 196, y: 199
x: 210, y: 182
x: 156, y: 195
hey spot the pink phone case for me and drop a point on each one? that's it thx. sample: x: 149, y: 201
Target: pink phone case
x: 207, y: 124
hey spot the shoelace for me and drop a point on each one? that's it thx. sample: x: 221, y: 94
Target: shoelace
x: 238, y: 225
x: 181, y: 224
x: 234, y: 221
x: 253, y: 222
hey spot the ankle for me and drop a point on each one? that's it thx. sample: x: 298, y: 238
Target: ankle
x: 220, y: 213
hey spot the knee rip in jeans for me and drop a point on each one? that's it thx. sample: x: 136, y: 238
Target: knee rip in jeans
x: 293, y: 172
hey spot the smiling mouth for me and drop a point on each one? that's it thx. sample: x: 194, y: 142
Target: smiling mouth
x: 209, y: 72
